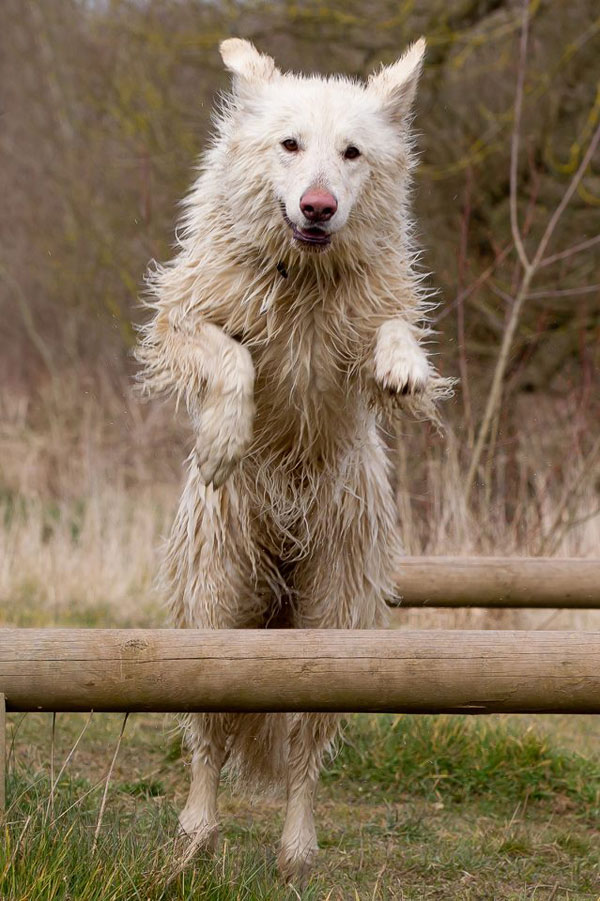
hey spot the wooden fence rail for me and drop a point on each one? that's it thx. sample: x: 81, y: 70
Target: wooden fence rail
x: 499, y: 582
x: 178, y: 670
x: 287, y: 670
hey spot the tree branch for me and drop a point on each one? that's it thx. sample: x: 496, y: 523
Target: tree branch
x: 514, y: 149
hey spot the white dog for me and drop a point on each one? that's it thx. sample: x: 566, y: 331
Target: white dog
x: 288, y: 319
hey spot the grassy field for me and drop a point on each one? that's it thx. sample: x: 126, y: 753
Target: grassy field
x: 410, y: 808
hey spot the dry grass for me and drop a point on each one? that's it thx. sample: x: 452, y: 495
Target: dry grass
x: 440, y: 809
x: 411, y: 808
x: 92, y: 561
x: 89, y: 479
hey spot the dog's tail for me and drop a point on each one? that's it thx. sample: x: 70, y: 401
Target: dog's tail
x: 257, y: 744
x: 258, y: 751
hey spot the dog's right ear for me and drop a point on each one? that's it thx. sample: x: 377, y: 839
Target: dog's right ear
x: 247, y: 64
x: 396, y: 85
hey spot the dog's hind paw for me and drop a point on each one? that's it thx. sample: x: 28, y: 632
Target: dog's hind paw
x: 193, y: 840
x: 196, y: 834
x: 295, y: 864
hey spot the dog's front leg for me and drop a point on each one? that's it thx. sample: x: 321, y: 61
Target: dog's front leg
x: 223, y: 417
x: 214, y: 373
x: 401, y: 364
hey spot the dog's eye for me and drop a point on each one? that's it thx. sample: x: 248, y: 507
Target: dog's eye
x: 291, y: 145
x: 351, y: 152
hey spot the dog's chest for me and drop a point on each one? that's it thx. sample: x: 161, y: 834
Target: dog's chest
x: 302, y: 378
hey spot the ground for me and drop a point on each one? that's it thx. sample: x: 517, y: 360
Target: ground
x: 415, y: 808
x: 411, y: 808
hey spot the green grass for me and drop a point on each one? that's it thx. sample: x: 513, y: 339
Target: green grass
x: 464, y: 759
x: 411, y: 808
x: 49, y: 853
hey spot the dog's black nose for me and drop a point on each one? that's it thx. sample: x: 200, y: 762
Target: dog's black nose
x: 318, y: 205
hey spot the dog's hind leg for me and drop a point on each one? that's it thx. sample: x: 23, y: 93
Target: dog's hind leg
x: 206, y: 735
x: 210, y: 578
x: 341, y: 584
x: 310, y: 736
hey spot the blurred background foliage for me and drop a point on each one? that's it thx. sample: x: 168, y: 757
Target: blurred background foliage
x: 105, y: 107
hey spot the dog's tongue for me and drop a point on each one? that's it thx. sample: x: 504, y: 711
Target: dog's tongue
x: 315, y: 233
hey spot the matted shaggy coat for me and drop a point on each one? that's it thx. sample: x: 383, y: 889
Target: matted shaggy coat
x: 289, y: 317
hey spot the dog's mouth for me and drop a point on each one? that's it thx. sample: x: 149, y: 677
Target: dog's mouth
x: 313, y: 237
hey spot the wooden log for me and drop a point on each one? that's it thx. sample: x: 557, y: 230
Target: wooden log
x: 499, y: 582
x: 313, y: 670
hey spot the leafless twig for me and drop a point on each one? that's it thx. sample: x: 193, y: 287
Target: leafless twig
x: 514, y: 148
x: 67, y: 760
x: 570, y: 251
x: 106, y: 784
x: 565, y: 292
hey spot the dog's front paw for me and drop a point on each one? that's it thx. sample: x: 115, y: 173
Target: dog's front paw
x: 224, y: 431
x: 407, y: 374
x: 401, y: 366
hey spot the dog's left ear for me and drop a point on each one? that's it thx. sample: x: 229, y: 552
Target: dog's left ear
x: 397, y: 84
x: 247, y: 64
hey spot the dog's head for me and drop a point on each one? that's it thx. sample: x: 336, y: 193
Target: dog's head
x: 309, y: 156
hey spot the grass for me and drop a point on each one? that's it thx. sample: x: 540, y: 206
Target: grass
x: 50, y: 855
x: 465, y: 760
x: 410, y: 808
x: 86, y: 564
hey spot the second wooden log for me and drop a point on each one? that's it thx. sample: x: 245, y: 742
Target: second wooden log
x: 499, y: 582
